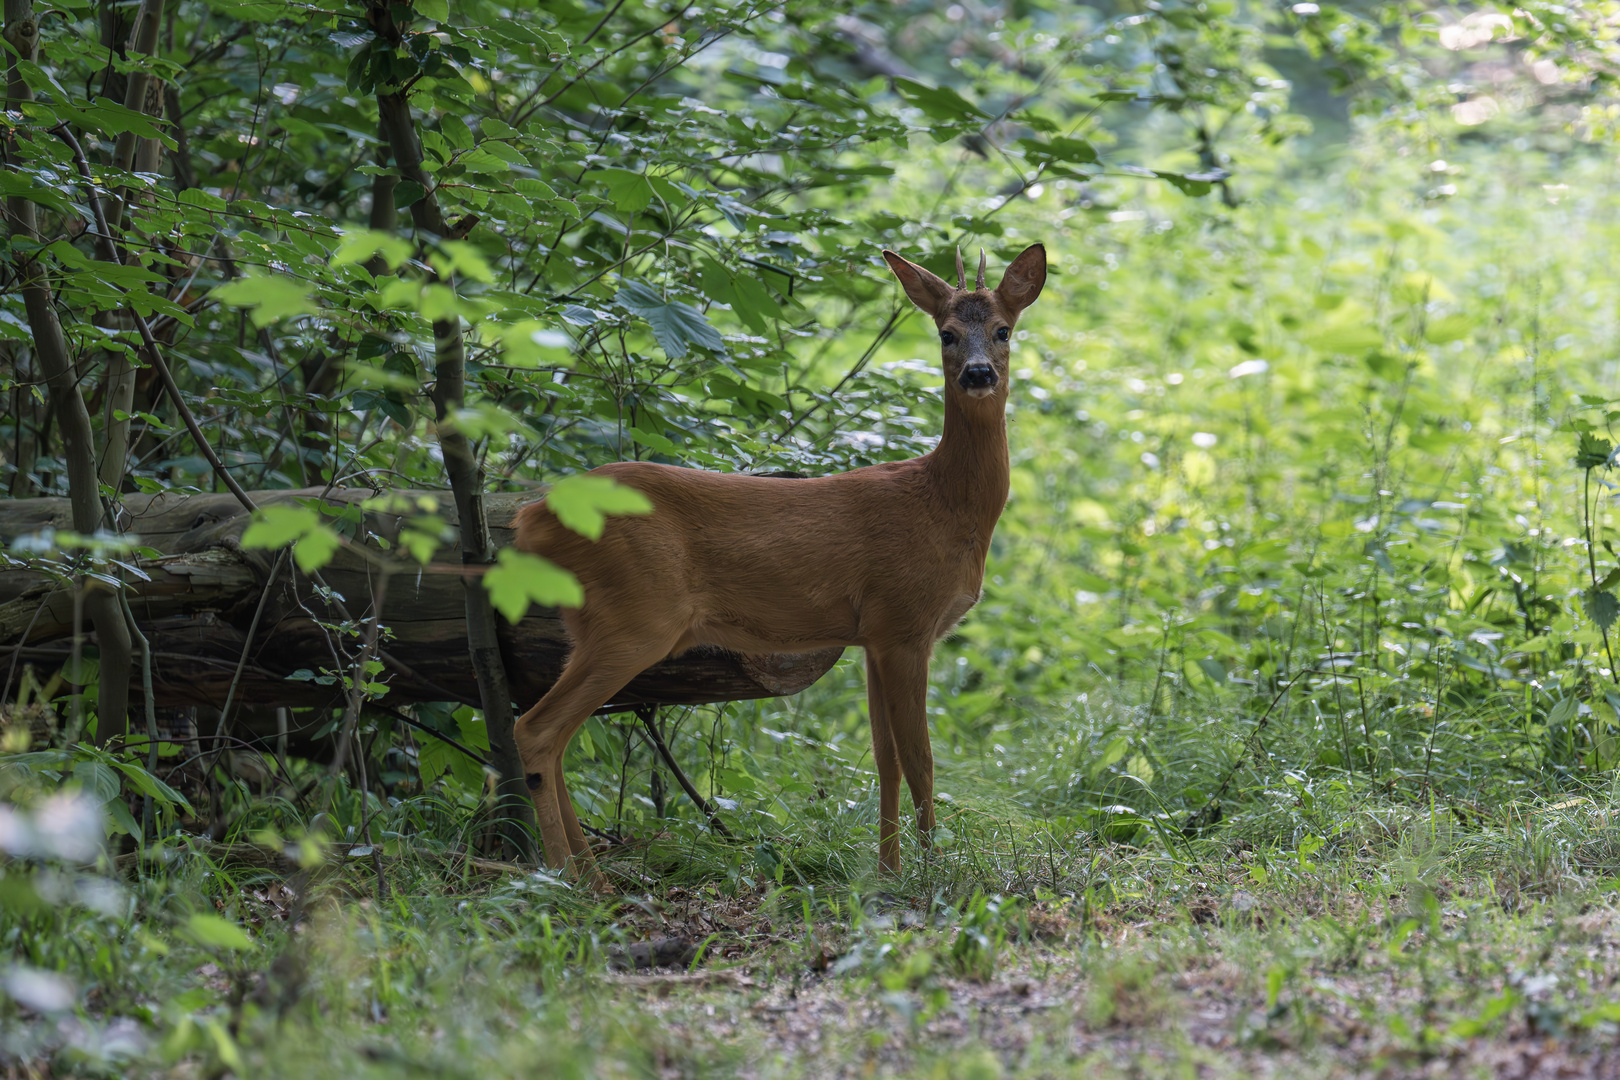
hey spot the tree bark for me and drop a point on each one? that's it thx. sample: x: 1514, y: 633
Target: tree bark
x: 205, y: 588
x: 460, y: 461
x: 55, y: 362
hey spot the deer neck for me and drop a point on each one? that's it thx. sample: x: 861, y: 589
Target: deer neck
x: 970, y: 468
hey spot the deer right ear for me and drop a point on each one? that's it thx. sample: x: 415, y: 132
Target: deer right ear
x: 1024, y: 279
x: 928, y: 291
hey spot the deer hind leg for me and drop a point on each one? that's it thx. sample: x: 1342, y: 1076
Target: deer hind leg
x: 888, y: 767
x: 903, y: 678
x: 593, y: 674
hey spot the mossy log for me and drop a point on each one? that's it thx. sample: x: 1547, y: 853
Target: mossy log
x: 204, y: 588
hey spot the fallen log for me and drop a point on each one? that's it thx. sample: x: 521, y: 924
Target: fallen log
x: 204, y: 588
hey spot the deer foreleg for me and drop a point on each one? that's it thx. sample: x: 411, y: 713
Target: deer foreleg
x: 888, y: 769
x: 903, y: 677
x: 565, y: 805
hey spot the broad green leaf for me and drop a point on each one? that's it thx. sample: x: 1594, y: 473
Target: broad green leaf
x: 279, y: 524
x: 1451, y: 328
x: 1601, y: 607
x: 654, y: 441
x: 1592, y: 451
x: 217, y: 933
x: 1385, y: 366
x: 535, y: 189
x: 530, y: 343
x: 519, y: 579
x: 1059, y: 148
x: 460, y: 257
x: 358, y: 245
x: 274, y: 526
x: 939, y: 102
x: 675, y: 325
x: 257, y: 10
x: 268, y: 297
x: 582, y: 502
x: 629, y: 191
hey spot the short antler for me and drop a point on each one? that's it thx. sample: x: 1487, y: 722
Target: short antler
x: 961, y: 271
x: 980, y: 283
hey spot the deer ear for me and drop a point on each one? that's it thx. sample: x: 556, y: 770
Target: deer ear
x: 1024, y: 278
x: 926, y: 290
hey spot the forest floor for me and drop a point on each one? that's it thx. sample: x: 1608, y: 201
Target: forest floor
x: 1385, y: 962
x: 1241, y: 981
x: 1439, y: 951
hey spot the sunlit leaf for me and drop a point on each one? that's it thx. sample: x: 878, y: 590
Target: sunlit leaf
x: 519, y: 579
x: 584, y: 501
x: 268, y: 297
x: 217, y: 933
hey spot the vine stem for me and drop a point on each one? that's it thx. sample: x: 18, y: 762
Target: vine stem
x: 646, y: 714
x: 109, y: 253
x: 1591, y: 566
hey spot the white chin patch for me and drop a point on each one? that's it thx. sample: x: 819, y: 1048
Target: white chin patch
x: 980, y: 391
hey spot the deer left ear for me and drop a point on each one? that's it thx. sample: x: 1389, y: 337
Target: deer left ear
x: 927, y: 290
x: 1024, y: 279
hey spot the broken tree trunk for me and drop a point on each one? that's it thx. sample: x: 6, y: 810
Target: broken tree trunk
x: 205, y: 589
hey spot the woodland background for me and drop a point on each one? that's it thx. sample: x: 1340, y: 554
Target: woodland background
x: 1292, y: 692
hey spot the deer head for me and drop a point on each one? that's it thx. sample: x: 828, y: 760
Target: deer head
x: 975, y: 325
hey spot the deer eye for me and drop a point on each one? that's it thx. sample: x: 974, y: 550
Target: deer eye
x: 1003, y: 334
x: 947, y: 338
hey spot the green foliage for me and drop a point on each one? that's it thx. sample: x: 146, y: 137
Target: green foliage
x: 1309, y: 552
x: 582, y: 503
x: 519, y: 579
x: 314, y: 543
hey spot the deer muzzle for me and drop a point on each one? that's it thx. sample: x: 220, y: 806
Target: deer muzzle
x: 977, y: 379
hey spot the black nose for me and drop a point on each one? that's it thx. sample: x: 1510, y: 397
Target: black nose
x: 977, y: 375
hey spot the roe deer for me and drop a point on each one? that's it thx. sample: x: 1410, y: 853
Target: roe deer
x: 888, y: 557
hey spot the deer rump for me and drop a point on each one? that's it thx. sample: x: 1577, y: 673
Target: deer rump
x: 768, y: 564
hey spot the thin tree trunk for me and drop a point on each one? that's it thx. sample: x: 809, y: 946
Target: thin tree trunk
x: 144, y: 94
x: 466, y: 477
x: 27, y: 426
x: 78, y: 441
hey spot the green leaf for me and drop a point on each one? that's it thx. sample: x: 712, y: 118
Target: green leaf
x: 653, y: 441
x: 1385, y: 366
x: 1601, y: 607
x: 675, y: 325
x: 460, y: 257
x: 629, y: 191
x: 939, y: 102
x: 747, y: 296
x: 535, y: 189
x: 407, y: 193
x: 256, y: 11
x: 98, y: 780
x: 278, y: 525
x: 1592, y: 452
x: 268, y: 297
x: 583, y: 502
x: 437, y: 10
x: 358, y: 245
x: 1059, y: 148
x: 519, y: 579
x: 215, y: 932
x: 200, y: 198
x: 1449, y: 329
